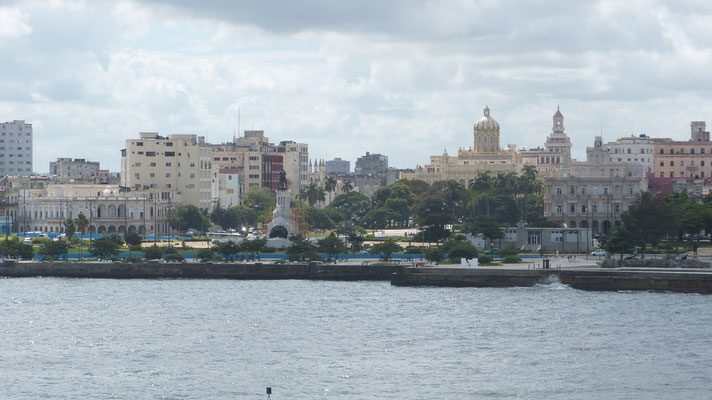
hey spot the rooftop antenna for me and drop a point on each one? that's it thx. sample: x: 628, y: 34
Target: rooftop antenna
x: 238, y: 120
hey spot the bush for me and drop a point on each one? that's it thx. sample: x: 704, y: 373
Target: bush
x: 510, y: 250
x: 38, y: 240
x: 415, y: 250
x: 133, y: 259
x: 152, y: 253
x: 175, y: 257
x: 434, y: 254
x: 136, y: 248
x: 511, y: 260
x: 484, y: 259
x: 169, y: 250
x: 133, y: 239
x: 205, y: 254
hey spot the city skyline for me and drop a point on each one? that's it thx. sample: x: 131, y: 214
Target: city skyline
x: 403, y: 80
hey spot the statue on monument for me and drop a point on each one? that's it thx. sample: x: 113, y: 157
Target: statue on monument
x: 282, y: 180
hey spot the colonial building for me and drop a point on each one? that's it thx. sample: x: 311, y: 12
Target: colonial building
x: 485, y: 155
x: 594, y: 193
x: 685, y: 159
x: 108, y: 209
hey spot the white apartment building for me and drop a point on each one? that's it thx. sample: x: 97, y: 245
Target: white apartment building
x: 296, y: 164
x: 176, y: 167
x: 15, y: 148
x: 636, y: 150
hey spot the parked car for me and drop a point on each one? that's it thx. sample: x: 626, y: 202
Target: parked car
x: 491, y: 252
x: 599, y: 252
x: 191, y: 232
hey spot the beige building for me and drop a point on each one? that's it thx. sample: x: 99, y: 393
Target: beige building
x: 485, y: 155
x: 685, y: 159
x: 177, y: 168
x: 594, y: 193
x: 108, y: 209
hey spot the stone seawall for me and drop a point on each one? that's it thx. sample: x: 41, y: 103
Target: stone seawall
x: 688, y: 281
x: 199, y: 271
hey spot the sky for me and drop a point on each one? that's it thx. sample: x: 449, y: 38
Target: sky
x: 407, y: 79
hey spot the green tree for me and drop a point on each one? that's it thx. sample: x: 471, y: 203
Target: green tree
x: 347, y: 186
x: 187, y: 216
x: 227, y: 249
x: 302, y: 250
x: 253, y: 247
x: 104, y: 247
x: 330, y: 186
x: 618, y: 240
x: 133, y: 239
x: 488, y: 227
x: 69, y: 229
x: 82, y: 224
x: 385, y: 248
x: 647, y: 221
x: 261, y: 200
x: 332, y: 246
x: 355, y: 241
x: 205, y: 254
x: 153, y: 252
x: 52, y: 249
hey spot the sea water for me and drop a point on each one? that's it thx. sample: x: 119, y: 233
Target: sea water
x: 228, y: 339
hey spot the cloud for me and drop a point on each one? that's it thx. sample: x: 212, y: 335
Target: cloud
x: 407, y: 79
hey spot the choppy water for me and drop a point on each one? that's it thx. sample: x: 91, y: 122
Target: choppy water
x: 220, y: 339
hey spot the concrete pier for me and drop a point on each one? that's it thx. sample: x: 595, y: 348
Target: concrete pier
x: 155, y: 270
x: 673, y: 280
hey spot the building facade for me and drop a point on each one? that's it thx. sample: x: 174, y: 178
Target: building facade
x: 176, y: 167
x: 15, y: 148
x: 684, y: 159
x: 371, y: 165
x: 78, y: 169
x: 338, y: 166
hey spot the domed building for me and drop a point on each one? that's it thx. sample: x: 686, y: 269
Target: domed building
x: 485, y: 155
x: 486, y: 134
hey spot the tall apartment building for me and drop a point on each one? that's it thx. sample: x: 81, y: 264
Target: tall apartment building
x: 77, y: 169
x: 371, y: 164
x: 338, y: 166
x: 15, y: 148
x: 177, y: 166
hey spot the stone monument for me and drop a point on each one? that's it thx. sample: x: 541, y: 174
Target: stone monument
x: 281, y: 227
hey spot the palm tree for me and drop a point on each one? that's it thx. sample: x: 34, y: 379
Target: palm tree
x: 453, y: 194
x: 330, y: 185
x: 82, y: 223
x: 483, y: 183
x: 69, y: 229
x: 347, y: 186
x: 529, y: 172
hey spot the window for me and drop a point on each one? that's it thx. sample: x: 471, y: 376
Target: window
x: 169, y: 144
x: 702, y: 163
x: 605, y: 190
x: 572, y: 207
x: 152, y: 175
x: 150, y: 154
x: 137, y: 175
x: 672, y: 163
x: 168, y: 174
x: 153, y: 164
x: 662, y: 151
x: 572, y: 190
x: 192, y: 176
x: 672, y: 174
x: 594, y: 190
x: 662, y: 163
x: 533, y: 237
x: 594, y: 208
x: 662, y: 174
x: 139, y: 143
x: 692, y: 151
x: 630, y: 189
x: 170, y: 154
x: 558, y: 190
x: 702, y: 151
x: 583, y: 190
x: 583, y: 208
x: 556, y: 236
x: 682, y: 163
x: 559, y: 208
x: 168, y: 164
x: 616, y: 207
